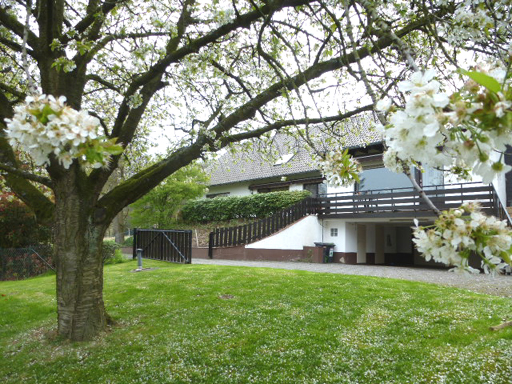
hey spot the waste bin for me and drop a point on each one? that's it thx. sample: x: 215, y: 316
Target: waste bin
x: 328, y: 252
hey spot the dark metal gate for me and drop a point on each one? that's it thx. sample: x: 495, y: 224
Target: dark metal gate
x: 163, y: 244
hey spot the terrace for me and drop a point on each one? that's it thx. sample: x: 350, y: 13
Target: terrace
x: 406, y: 202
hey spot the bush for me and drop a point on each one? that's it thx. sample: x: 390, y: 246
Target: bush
x: 18, y: 225
x: 128, y: 242
x: 240, y: 207
x: 109, y: 250
x: 21, y: 263
x: 116, y: 259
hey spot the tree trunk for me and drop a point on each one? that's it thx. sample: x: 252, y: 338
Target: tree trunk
x: 79, y: 262
x: 119, y: 227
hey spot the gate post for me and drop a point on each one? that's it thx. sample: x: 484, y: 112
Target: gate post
x: 134, y: 243
x: 189, y: 246
x: 210, y: 245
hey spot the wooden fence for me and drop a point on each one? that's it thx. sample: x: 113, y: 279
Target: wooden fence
x: 245, y: 234
x: 163, y: 244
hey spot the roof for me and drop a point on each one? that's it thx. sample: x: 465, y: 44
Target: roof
x: 272, y: 159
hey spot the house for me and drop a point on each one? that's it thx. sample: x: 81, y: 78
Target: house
x: 368, y: 223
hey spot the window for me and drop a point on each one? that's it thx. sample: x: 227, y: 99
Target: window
x: 273, y: 189
x: 284, y: 159
x: 316, y: 189
x: 334, y: 232
x: 214, y: 195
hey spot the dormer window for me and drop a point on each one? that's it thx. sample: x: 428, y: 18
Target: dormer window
x: 284, y: 159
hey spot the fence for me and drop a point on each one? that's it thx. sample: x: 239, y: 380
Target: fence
x: 245, y: 234
x: 163, y: 244
x: 404, y: 201
x: 22, y: 263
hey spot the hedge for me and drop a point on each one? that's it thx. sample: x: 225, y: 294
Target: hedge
x: 18, y: 225
x: 240, y: 207
x: 109, y: 250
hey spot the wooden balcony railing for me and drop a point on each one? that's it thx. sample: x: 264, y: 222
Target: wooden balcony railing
x: 405, y: 202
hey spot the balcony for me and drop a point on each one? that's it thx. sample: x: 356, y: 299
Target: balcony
x: 406, y: 202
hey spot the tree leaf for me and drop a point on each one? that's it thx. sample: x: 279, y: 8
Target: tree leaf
x: 484, y: 80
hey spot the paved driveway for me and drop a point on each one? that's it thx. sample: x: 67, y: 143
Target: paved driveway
x: 498, y: 285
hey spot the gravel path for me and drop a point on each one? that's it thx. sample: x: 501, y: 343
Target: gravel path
x: 498, y: 286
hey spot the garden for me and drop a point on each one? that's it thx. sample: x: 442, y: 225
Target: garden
x: 213, y: 324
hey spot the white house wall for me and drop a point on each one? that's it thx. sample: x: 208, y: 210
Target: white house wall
x: 296, y: 187
x: 346, y: 241
x: 351, y: 238
x: 370, y: 238
x: 390, y: 245
x: 239, y: 189
x: 303, y: 233
x: 336, y: 189
x: 500, y: 185
x: 242, y: 189
x: 433, y: 177
x: 340, y: 240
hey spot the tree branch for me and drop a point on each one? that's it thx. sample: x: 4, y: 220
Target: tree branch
x: 287, y: 123
x: 11, y: 90
x: 104, y: 82
x: 12, y: 24
x: 27, y: 175
x: 141, y: 183
x: 16, y: 47
x: 90, y: 18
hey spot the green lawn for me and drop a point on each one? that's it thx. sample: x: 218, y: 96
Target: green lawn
x: 210, y: 324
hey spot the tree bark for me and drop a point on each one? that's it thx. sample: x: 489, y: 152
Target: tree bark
x: 79, y: 262
x: 119, y: 227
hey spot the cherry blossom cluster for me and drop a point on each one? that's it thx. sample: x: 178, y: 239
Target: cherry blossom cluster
x: 466, y: 132
x: 339, y: 168
x: 475, y: 21
x: 458, y: 233
x: 45, y: 126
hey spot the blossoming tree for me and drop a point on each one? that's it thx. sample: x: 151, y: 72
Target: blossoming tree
x: 80, y: 80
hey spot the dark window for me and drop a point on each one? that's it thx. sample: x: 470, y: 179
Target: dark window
x: 214, y: 195
x: 273, y: 189
x: 316, y: 189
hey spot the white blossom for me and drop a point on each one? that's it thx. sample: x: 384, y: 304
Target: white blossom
x: 44, y: 125
x: 383, y: 105
x: 438, y: 131
x: 459, y: 232
x: 135, y: 101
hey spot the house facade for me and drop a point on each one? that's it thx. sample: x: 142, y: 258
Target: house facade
x: 368, y: 223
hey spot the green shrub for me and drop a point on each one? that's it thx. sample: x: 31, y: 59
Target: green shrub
x: 240, y: 207
x: 116, y: 259
x: 128, y: 242
x: 109, y: 250
x: 18, y: 225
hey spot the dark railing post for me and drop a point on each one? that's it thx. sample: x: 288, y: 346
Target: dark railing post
x: 189, y: 247
x: 210, y: 245
x: 495, y: 202
x: 250, y: 229
x: 134, y: 247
